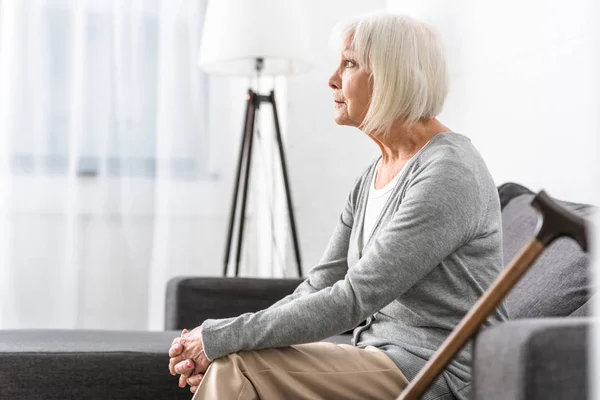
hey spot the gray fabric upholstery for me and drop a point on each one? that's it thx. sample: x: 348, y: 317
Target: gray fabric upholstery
x: 585, y: 310
x: 532, y: 359
x: 192, y: 300
x: 53, y: 364
x: 558, y: 283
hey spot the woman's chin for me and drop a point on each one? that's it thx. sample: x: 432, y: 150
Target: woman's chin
x: 341, y: 120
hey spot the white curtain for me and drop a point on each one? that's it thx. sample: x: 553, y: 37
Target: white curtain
x: 103, y: 150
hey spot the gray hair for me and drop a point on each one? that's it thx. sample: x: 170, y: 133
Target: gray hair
x: 407, y: 62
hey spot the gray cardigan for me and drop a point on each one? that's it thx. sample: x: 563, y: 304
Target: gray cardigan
x: 435, y: 248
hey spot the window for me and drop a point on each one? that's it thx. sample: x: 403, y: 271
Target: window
x: 109, y: 90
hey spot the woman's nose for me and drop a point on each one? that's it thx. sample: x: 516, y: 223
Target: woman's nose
x: 334, y: 81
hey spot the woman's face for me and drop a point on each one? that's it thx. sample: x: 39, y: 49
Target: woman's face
x: 352, y: 89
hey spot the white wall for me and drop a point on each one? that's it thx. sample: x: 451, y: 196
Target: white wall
x: 524, y: 87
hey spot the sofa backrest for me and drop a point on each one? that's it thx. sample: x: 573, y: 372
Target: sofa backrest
x: 559, y: 283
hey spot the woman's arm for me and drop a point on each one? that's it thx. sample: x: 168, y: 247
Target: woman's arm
x: 439, y: 213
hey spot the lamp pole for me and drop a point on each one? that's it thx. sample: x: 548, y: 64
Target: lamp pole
x: 253, y: 101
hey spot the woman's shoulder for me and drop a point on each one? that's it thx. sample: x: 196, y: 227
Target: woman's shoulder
x: 450, y: 152
x: 447, y: 144
x: 450, y: 161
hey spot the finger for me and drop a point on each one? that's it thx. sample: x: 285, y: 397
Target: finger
x: 185, y: 367
x: 182, y: 381
x: 184, y: 337
x: 193, y: 389
x: 177, y: 339
x: 173, y: 362
x: 195, y: 379
x: 175, y: 350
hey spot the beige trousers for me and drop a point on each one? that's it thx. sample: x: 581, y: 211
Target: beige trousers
x: 308, y: 371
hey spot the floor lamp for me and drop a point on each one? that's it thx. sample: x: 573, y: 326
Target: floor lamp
x: 255, y: 38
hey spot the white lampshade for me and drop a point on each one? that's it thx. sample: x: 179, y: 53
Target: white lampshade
x: 237, y: 32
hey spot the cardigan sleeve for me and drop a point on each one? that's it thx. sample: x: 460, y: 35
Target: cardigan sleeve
x: 438, y: 214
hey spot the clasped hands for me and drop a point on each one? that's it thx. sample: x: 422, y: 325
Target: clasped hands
x: 188, y: 359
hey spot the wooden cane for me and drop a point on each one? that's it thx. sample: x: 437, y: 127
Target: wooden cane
x: 553, y: 222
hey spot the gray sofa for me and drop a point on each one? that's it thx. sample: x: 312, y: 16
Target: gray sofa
x: 540, y: 354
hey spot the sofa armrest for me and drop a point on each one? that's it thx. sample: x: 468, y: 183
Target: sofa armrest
x: 189, y: 301
x: 541, y: 358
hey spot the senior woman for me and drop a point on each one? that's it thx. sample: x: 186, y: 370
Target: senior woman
x: 417, y: 243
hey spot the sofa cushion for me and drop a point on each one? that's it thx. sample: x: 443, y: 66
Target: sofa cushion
x: 509, y: 191
x: 512, y: 360
x: 558, y: 283
x: 103, y: 365
x: 585, y: 310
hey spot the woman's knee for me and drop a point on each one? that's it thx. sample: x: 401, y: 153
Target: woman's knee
x: 245, y: 361
x: 228, y: 362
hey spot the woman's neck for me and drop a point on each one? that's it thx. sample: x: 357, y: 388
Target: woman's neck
x: 400, y: 144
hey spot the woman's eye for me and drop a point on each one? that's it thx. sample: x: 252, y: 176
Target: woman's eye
x: 349, y: 63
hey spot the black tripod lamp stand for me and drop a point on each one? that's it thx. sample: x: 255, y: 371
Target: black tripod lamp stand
x: 253, y: 102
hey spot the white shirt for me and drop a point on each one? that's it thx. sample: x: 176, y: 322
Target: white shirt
x: 376, y: 201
